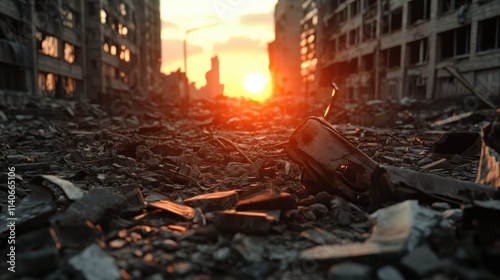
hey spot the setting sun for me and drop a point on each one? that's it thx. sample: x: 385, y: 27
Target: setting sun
x: 255, y: 83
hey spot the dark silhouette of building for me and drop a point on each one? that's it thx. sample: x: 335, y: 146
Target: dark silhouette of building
x: 91, y: 49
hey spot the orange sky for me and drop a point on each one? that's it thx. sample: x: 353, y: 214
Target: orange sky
x: 240, y: 40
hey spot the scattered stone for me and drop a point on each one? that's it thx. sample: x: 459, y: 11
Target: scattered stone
x: 250, y: 247
x: 341, y: 211
x: 269, y: 201
x: 422, y: 261
x: 95, y: 264
x: 248, y: 222
x: 174, y: 208
x: 453, y: 214
x: 441, y: 206
x: 214, y: 201
x: 389, y: 273
x: 438, y: 164
x: 319, y: 236
x: 349, y: 271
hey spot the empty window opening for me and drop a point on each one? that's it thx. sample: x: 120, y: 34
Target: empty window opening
x: 418, y: 11
x: 391, y: 21
x: 369, y: 30
x: 69, y: 52
x: 391, y: 58
x: 47, y: 45
x: 355, y: 7
x: 418, y: 52
x: 342, y: 42
x: 354, y: 37
x: 12, y: 77
x: 367, y: 62
x: 489, y: 34
x: 454, y: 42
x: 104, y: 17
x: 445, y: 6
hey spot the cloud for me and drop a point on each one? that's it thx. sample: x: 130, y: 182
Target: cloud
x: 239, y: 44
x: 172, y: 49
x: 168, y: 25
x: 265, y: 19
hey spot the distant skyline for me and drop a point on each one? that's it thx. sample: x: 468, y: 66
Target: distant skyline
x: 240, y: 40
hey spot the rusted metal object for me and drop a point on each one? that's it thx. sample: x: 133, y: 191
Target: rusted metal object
x: 333, y: 164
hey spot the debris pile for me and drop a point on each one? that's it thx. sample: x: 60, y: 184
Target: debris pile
x: 234, y: 191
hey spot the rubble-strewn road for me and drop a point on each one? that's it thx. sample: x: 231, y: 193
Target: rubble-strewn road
x: 124, y: 210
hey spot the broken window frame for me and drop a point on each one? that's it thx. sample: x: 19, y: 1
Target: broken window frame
x: 47, y: 84
x: 453, y: 6
x: 389, y: 56
x: 423, y: 15
x: 69, y: 53
x: 485, y: 35
x: 354, y: 37
x: 423, y: 52
x: 455, y: 41
x: 47, y: 44
x: 355, y: 8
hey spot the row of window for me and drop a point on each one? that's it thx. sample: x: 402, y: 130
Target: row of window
x: 452, y: 43
x: 111, y: 47
x: 49, y: 45
x: 417, y: 11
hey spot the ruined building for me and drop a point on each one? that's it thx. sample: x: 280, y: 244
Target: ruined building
x: 284, y: 51
x: 378, y: 49
x: 90, y: 49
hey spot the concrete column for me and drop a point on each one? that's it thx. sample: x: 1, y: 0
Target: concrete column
x: 432, y: 50
x: 404, y: 28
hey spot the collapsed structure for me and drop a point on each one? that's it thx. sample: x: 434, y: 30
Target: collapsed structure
x: 84, y: 49
x: 390, y: 49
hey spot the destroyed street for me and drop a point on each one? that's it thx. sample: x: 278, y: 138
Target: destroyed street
x: 242, y: 190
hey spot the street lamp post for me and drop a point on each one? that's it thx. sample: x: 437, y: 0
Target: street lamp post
x: 186, y: 81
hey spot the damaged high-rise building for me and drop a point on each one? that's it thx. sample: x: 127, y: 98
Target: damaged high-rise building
x: 378, y: 49
x: 91, y: 49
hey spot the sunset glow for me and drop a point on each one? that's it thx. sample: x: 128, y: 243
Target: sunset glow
x: 239, y: 40
x: 255, y: 83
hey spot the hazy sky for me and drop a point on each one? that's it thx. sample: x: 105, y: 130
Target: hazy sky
x: 240, y: 40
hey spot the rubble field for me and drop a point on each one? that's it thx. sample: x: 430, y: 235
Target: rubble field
x: 243, y: 190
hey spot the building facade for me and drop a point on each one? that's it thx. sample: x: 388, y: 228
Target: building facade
x: 378, y: 49
x: 92, y: 49
x: 284, y: 51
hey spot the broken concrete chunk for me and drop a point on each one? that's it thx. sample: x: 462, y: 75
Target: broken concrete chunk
x: 269, y: 201
x: 349, y: 271
x: 174, y: 208
x: 71, y: 192
x: 135, y: 203
x: 403, y: 225
x: 250, y: 247
x: 214, y: 201
x: 95, y: 264
x: 422, y: 261
x: 258, y: 190
x: 389, y: 273
x: 441, y: 163
x: 249, y: 222
x: 340, y: 211
x: 98, y: 206
x: 399, y: 229
x: 33, y: 211
x: 319, y: 236
x: 489, y: 162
